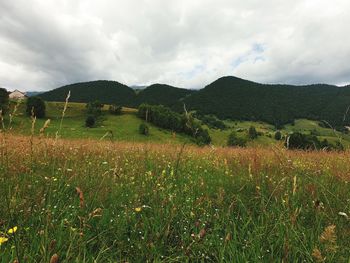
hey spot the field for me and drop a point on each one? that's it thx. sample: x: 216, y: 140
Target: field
x: 125, y: 127
x: 67, y: 198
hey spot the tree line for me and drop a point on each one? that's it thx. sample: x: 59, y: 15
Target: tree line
x: 164, y: 117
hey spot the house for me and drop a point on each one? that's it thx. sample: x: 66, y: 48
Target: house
x: 17, y: 95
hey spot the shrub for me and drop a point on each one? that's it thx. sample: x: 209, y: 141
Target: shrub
x: 278, y: 135
x: 90, y: 121
x: 143, y: 129
x: 115, y: 109
x: 36, y: 106
x: 94, y: 108
x: 234, y: 140
x: 252, y: 133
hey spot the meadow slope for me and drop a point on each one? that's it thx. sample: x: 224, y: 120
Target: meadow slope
x: 94, y: 201
x: 125, y: 127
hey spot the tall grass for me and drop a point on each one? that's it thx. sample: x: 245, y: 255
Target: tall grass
x: 95, y: 201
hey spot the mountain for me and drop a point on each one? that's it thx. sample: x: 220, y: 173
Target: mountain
x: 239, y: 99
x: 103, y: 90
x: 114, y: 92
x: 162, y: 94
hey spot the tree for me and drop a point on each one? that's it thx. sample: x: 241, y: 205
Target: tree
x: 115, y: 109
x: 252, y: 133
x: 94, y: 108
x: 203, y: 137
x: 4, y: 100
x: 278, y: 135
x: 36, y: 106
x: 90, y: 121
x: 143, y: 129
x: 234, y: 140
x: 301, y: 141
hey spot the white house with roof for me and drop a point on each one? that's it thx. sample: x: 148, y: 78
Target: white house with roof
x: 17, y: 95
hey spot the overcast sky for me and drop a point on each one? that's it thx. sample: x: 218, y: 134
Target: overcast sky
x: 186, y: 43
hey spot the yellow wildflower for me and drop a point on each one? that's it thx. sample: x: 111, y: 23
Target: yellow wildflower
x: 3, y: 240
x: 138, y: 209
x: 12, y: 230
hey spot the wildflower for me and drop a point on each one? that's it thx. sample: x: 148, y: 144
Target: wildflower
x: 12, y: 230
x: 138, y: 209
x: 3, y: 240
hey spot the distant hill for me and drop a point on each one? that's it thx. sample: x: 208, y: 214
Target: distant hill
x: 114, y: 92
x: 235, y: 98
x: 102, y: 90
x: 33, y: 93
x: 162, y: 94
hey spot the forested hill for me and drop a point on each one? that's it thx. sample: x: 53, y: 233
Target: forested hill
x: 114, y: 92
x: 102, y: 90
x: 234, y: 98
x: 227, y: 98
x: 162, y: 94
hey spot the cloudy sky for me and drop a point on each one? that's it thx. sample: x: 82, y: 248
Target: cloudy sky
x: 187, y: 43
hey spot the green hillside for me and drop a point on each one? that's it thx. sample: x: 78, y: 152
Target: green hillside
x: 238, y: 99
x: 125, y: 127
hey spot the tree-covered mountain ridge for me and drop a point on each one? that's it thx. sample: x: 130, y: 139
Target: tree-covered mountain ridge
x: 228, y: 98
x: 113, y: 92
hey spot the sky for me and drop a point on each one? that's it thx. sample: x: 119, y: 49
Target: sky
x: 186, y: 43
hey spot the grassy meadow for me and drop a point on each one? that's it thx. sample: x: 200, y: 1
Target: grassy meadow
x: 125, y: 127
x: 76, y: 198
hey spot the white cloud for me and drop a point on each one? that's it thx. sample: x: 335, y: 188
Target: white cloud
x: 48, y: 43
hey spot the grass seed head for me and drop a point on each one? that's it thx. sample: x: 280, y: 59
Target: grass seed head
x: 317, y: 255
